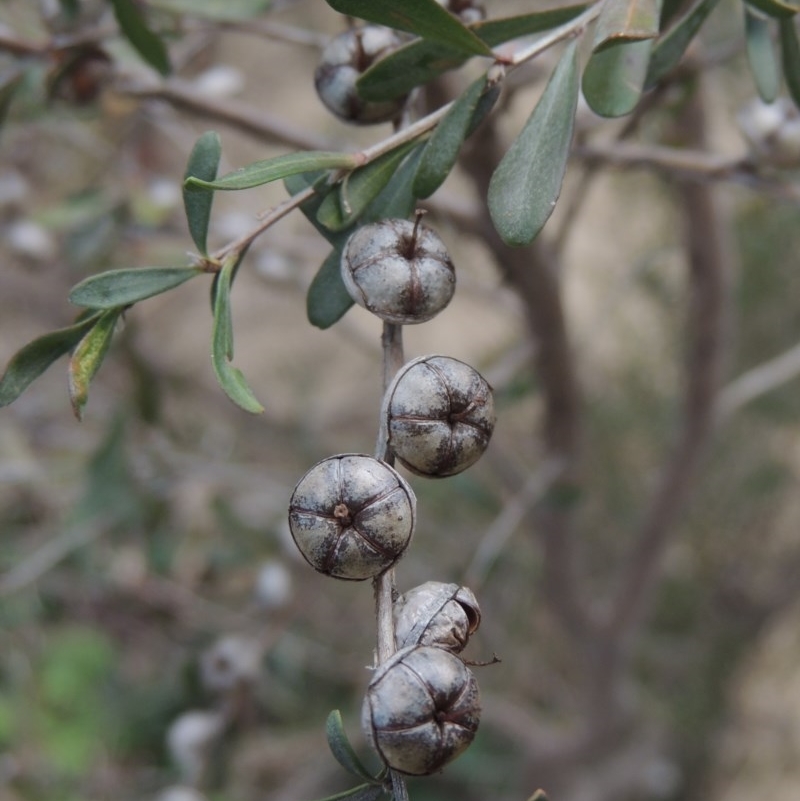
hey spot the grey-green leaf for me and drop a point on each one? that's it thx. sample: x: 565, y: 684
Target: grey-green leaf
x: 672, y: 45
x: 31, y: 361
x: 147, y: 44
x: 223, y: 10
x: 420, y: 61
x: 341, y: 748
x: 203, y: 164
x: 342, y: 207
x: 87, y: 358
x: 761, y: 55
x: 774, y: 8
x: 527, y: 182
x: 441, y: 151
x: 126, y: 286
x: 613, y: 78
x: 364, y: 792
x: 790, y: 50
x: 425, y: 18
x: 397, y: 199
x: 263, y: 172
x: 229, y: 377
x: 625, y: 21
x: 327, y: 300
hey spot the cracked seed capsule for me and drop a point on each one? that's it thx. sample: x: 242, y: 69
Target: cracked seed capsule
x: 421, y: 709
x: 435, y: 613
x: 399, y: 270
x: 352, y: 516
x: 342, y: 63
x: 438, y: 415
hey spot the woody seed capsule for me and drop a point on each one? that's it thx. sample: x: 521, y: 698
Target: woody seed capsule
x: 421, y: 709
x: 352, y: 516
x: 435, y: 613
x: 343, y: 61
x: 399, y: 270
x: 438, y: 415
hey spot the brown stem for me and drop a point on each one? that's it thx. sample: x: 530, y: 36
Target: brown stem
x: 709, y: 263
x: 533, y: 272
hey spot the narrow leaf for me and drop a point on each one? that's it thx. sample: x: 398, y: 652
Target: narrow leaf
x: 203, y: 164
x: 613, y: 78
x: 123, y: 287
x: 327, y: 300
x: 672, y: 45
x: 625, y: 21
x: 425, y: 18
x: 441, y: 151
x: 774, y: 8
x: 263, y: 172
x: 498, y: 31
x: 229, y: 377
x: 222, y: 10
x: 790, y: 50
x: 8, y: 86
x: 340, y: 209
x: 30, y: 362
x: 421, y: 61
x: 761, y: 56
x: 527, y: 182
x: 364, y: 792
x: 341, y: 748
x: 397, y: 199
x: 87, y: 358
x: 146, y: 43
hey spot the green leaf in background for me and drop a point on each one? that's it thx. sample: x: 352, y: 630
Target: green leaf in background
x: 613, y: 78
x: 203, y: 164
x: 87, y: 358
x: 672, y: 45
x: 774, y: 8
x: 222, y: 10
x: 411, y: 65
x: 31, y: 361
x: 397, y: 200
x: 527, y: 182
x: 364, y: 792
x: 263, y: 172
x: 790, y: 50
x: 342, y: 207
x: 625, y: 21
x: 123, y: 287
x: 147, y: 44
x: 341, y: 748
x: 327, y: 300
x: 441, y: 151
x: 8, y: 86
x: 425, y: 18
x: 69, y: 8
x: 761, y: 55
x: 498, y: 31
x: 421, y: 61
x: 229, y: 377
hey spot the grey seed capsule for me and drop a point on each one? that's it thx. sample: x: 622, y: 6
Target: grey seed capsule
x: 352, y: 516
x: 435, y: 613
x: 399, y: 270
x: 343, y: 61
x: 438, y: 415
x: 421, y: 710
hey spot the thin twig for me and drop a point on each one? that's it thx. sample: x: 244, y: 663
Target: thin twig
x: 262, y: 124
x: 757, y: 382
x: 506, y: 523
x: 709, y: 262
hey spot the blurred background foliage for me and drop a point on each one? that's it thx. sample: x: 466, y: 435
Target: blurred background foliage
x: 148, y: 590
